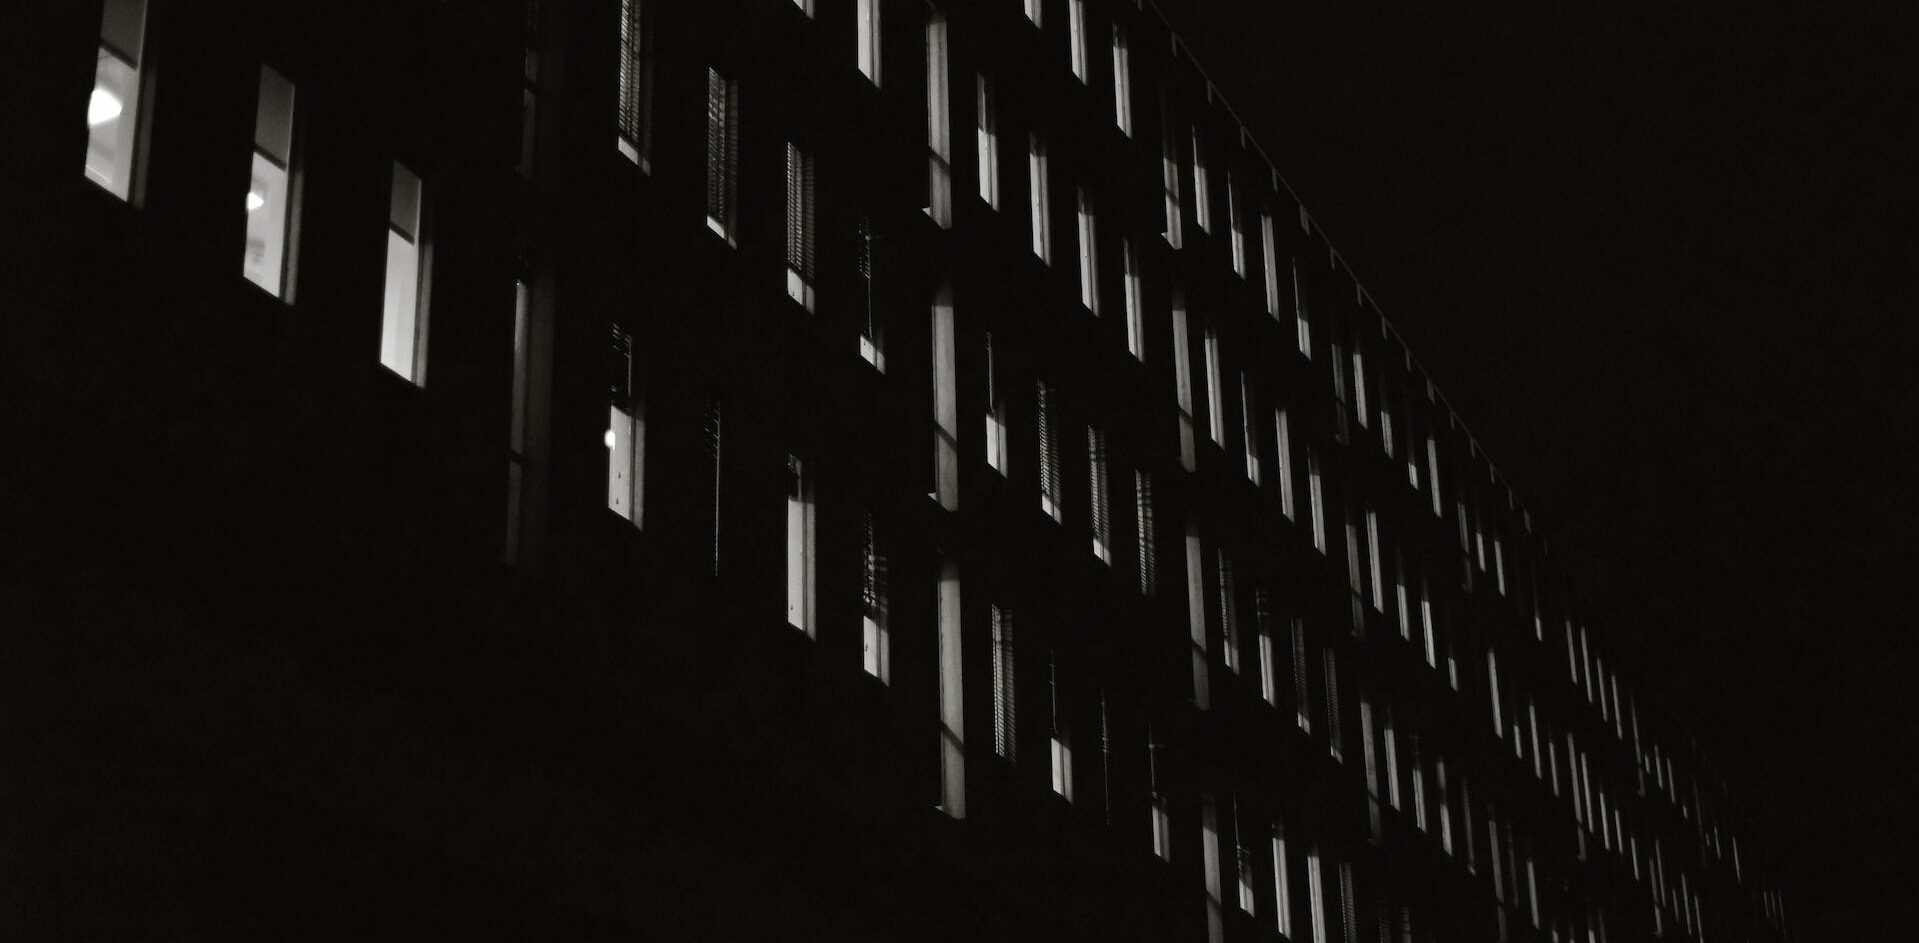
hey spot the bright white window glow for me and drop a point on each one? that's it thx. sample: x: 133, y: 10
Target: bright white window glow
x: 1088, y: 254
x: 1285, y: 449
x: 1135, y: 318
x: 1183, y: 381
x: 1037, y: 188
x: 1215, y: 409
x: 988, y: 140
x: 939, y: 136
x: 1076, y: 36
x: 1317, y: 504
x: 995, y: 414
x: 113, y: 124
x: 1098, y: 495
x: 1238, y: 230
x: 799, y: 546
x: 945, y: 403
x: 1169, y: 171
x: 1315, y: 889
x: 1202, y: 202
x: 1378, y: 583
x: 1301, y: 321
x: 1122, y: 82
x: 625, y: 435
x: 1282, y: 894
x: 1033, y: 10
x: 866, y: 20
x: 267, y: 194
x: 876, y: 632
x: 403, y: 318
x: 1248, y: 428
x: 1271, y: 260
x: 1062, y: 750
x: 952, y: 690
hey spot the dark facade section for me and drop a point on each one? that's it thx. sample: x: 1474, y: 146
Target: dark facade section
x: 864, y: 469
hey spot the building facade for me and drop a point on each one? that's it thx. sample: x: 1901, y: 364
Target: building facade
x: 873, y: 469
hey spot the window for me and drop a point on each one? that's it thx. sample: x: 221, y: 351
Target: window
x: 799, y: 546
x: 1268, y: 670
x: 1033, y: 10
x: 625, y: 434
x: 269, y: 194
x: 636, y: 83
x: 1005, y: 725
x: 1102, y: 522
x: 1359, y: 380
x: 877, y: 657
x: 939, y: 125
x: 1234, y: 223
x: 1284, y: 444
x: 710, y: 468
x: 1302, y: 693
x: 1135, y: 320
x: 1049, y: 473
x: 1243, y: 860
x: 1317, y: 504
x: 1301, y: 322
x: 872, y: 325
x: 1202, y: 204
x: 1122, y: 82
x: 1169, y: 172
x: 866, y: 19
x: 988, y: 143
x: 722, y: 153
x: 1062, y: 750
x: 952, y: 690
x: 1148, y: 541
x: 403, y: 316
x: 1335, y: 729
x: 1315, y: 888
x: 1209, y: 852
x: 1215, y: 408
x: 1042, y: 215
x: 1183, y: 381
x: 806, y: 6
x: 1161, y: 816
x: 1076, y: 36
x: 1248, y: 430
x: 1196, y: 616
x: 114, y: 106
x: 518, y: 444
x: 1378, y: 583
x: 1282, y: 894
x: 995, y: 413
x: 945, y: 402
x: 1088, y: 255
x: 1228, y: 611
x: 799, y: 226
x: 1270, y: 258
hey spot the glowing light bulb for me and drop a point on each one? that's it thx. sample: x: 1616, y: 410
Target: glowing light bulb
x: 609, y: 438
x: 102, y: 106
x: 255, y: 200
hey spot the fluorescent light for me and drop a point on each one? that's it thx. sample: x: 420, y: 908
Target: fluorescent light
x: 102, y: 106
x: 609, y: 438
x: 255, y: 200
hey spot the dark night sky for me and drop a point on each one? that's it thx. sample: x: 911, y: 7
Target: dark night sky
x: 1661, y: 262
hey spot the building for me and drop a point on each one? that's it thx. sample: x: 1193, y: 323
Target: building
x: 852, y: 468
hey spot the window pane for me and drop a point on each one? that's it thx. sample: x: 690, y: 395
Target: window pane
x: 397, y: 327
x: 273, y: 115
x: 112, y: 117
x: 266, y: 224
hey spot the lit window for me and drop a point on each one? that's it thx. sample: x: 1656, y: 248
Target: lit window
x: 1335, y: 729
x: 1048, y: 451
x: 625, y: 434
x: 1215, y: 409
x: 1033, y: 10
x: 1378, y: 583
x: 799, y: 546
x: 722, y: 153
x: 1143, y: 512
x: 1162, y: 818
x: 1302, y: 694
x: 1282, y: 893
x: 799, y: 226
x: 1169, y: 172
x: 636, y: 83
x: 806, y: 6
x: 1042, y: 214
x: 403, y: 317
x: 1432, y: 470
x: 1302, y: 323
x: 877, y: 656
x: 1135, y: 318
x: 988, y: 143
x: 1183, y: 381
x: 1076, y: 36
x: 952, y: 693
x: 1005, y: 723
x: 1317, y: 504
x: 995, y: 414
x: 872, y: 324
x: 1202, y: 202
x: 1097, y: 493
x: 113, y: 107
x: 1228, y: 611
x: 269, y: 195
x: 1122, y: 82
x: 1315, y: 888
x: 1268, y: 670
x: 1359, y: 380
x: 945, y: 402
x: 1271, y: 259
x: 939, y: 125
x: 866, y: 18
x: 1233, y: 223
x: 1062, y: 750
x: 1209, y: 852
x: 1088, y: 255
x: 1196, y: 617
x: 1243, y: 859
x: 1248, y: 430
x: 1284, y: 440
